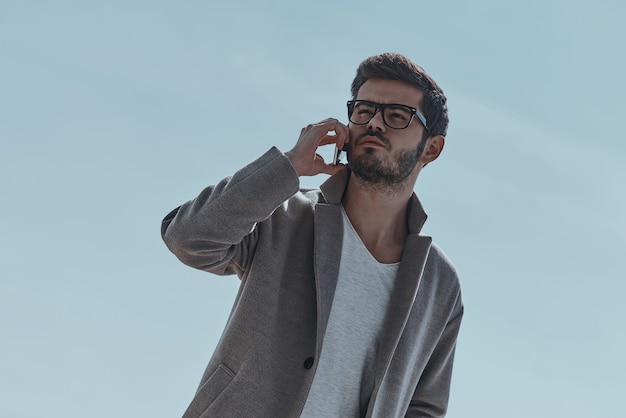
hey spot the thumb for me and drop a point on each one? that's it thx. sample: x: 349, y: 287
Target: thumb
x: 331, y: 168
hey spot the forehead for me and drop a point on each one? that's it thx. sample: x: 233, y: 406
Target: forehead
x: 385, y: 91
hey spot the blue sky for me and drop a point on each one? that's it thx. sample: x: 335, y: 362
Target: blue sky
x: 113, y: 113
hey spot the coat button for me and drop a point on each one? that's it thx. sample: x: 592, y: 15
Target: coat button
x: 308, y: 363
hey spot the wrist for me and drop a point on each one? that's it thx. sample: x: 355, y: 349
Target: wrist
x: 294, y: 162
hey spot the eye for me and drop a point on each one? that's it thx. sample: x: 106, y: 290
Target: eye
x: 364, y: 109
x: 399, y: 114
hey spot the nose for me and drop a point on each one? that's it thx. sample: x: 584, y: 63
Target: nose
x: 377, y: 123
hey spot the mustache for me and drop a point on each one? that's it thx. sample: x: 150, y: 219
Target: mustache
x: 374, y: 134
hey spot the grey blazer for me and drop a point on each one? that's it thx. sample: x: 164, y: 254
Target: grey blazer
x: 285, y: 246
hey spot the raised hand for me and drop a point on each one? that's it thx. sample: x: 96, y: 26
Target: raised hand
x: 304, y: 156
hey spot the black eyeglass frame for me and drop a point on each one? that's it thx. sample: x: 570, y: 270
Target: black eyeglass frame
x: 379, y: 106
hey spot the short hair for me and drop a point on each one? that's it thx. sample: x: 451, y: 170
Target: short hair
x: 394, y: 66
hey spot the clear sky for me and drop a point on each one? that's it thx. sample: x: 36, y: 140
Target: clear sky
x: 112, y: 113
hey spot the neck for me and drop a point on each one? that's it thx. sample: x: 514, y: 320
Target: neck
x: 379, y: 216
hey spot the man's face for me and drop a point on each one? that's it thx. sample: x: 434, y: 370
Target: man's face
x: 381, y: 155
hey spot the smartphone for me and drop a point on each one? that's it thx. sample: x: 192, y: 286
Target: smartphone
x: 337, y: 156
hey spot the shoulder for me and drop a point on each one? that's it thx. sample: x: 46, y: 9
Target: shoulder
x: 441, y: 274
x: 303, y: 200
x: 297, y: 211
x: 439, y: 259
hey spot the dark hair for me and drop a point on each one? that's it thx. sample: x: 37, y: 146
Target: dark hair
x: 398, y: 67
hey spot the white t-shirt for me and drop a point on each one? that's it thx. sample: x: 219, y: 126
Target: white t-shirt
x: 344, y: 379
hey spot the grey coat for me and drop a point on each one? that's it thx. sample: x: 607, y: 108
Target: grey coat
x: 285, y: 246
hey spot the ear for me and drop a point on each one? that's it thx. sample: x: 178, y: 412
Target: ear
x: 434, y: 146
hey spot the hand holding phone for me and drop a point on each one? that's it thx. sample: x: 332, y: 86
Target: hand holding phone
x: 304, y: 156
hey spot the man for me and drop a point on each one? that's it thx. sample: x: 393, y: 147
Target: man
x: 344, y: 309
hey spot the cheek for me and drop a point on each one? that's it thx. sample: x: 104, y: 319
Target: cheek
x: 352, y: 134
x: 353, y: 131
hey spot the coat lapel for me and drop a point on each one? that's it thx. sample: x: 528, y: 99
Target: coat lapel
x: 402, y: 299
x: 328, y: 243
x: 328, y: 239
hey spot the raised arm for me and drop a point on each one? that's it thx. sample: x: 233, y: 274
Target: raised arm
x: 216, y: 230
x: 208, y: 232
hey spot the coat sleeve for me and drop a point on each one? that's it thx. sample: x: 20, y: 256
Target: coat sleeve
x: 216, y: 231
x: 430, y: 399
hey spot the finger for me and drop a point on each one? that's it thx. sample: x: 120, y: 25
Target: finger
x: 331, y: 168
x: 321, y: 166
x: 330, y: 139
x: 340, y: 130
x: 340, y: 139
x: 329, y: 123
x: 343, y: 135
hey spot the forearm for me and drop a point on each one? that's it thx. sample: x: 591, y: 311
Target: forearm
x: 203, y: 231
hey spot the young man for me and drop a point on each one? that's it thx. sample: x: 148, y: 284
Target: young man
x: 344, y: 309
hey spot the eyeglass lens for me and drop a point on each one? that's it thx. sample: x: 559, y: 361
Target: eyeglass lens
x: 394, y: 116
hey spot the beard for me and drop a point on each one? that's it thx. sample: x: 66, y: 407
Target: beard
x: 381, y: 174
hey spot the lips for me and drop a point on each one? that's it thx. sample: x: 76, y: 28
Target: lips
x: 375, y: 143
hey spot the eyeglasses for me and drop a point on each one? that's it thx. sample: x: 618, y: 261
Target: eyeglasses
x: 395, y: 116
